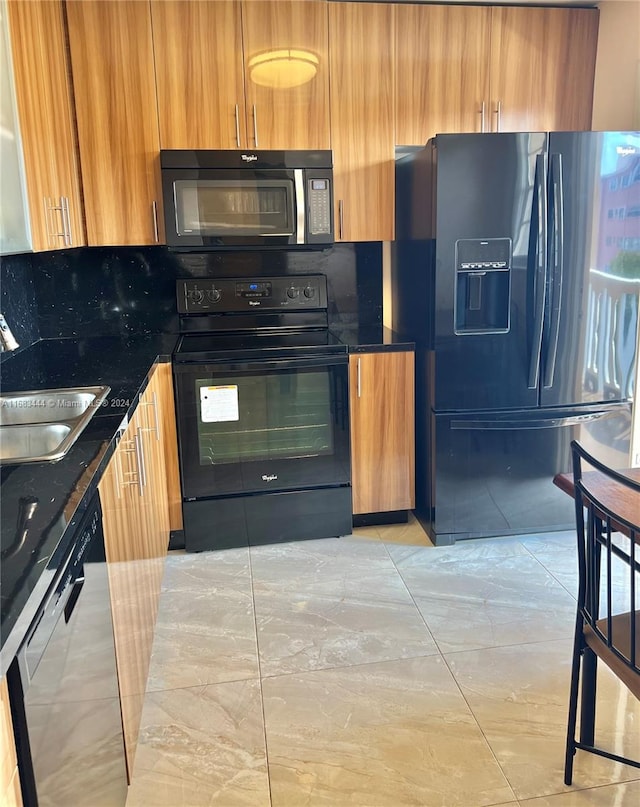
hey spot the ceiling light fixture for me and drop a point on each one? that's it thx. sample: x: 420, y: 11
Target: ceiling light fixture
x: 283, y: 69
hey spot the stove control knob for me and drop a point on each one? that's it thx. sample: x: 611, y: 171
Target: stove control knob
x: 292, y: 292
x: 309, y: 292
x: 197, y: 295
x: 214, y: 295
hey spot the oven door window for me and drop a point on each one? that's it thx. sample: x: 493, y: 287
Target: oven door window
x: 264, y: 417
x: 219, y: 207
x: 263, y: 428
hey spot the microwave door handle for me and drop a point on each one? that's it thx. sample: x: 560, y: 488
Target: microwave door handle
x: 298, y: 178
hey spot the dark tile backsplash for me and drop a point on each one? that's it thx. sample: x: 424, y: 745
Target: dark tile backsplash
x: 121, y: 290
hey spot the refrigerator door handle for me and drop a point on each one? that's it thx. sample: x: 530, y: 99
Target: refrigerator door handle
x: 556, y: 214
x: 540, y: 276
x: 534, y: 423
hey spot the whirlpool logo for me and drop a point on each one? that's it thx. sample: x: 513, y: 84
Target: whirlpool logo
x: 249, y: 158
x: 269, y: 477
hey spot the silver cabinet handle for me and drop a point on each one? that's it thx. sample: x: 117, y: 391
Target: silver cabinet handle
x: 237, y: 127
x: 498, y: 116
x: 120, y: 474
x: 154, y: 208
x: 255, y: 125
x: 49, y: 210
x: 139, y: 477
x: 154, y: 403
x: 482, y: 117
x: 66, y: 220
x: 142, y: 470
x: 358, y: 379
x: 340, y: 218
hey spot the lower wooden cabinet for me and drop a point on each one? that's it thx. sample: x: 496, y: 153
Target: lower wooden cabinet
x: 10, y: 793
x: 382, y: 431
x: 135, y: 504
x: 163, y: 380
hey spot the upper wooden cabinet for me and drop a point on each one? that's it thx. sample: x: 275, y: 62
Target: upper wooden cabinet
x: 45, y: 109
x: 219, y: 80
x: 117, y: 114
x: 442, y: 71
x: 542, y: 68
x: 361, y: 45
x: 199, y: 73
x: 501, y: 68
x: 294, y: 35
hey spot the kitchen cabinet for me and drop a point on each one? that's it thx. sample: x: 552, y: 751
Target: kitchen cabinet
x: 286, y: 42
x: 117, y: 115
x: 134, y: 500
x: 199, y: 74
x: 382, y: 431
x: 45, y: 111
x: 361, y: 69
x: 482, y: 68
x: 225, y: 74
x: 542, y: 68
x: 163, y: 380
x: 442, y: 70
x: 10, y: 793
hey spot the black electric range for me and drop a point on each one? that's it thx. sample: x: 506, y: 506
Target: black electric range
x: 262, y: 411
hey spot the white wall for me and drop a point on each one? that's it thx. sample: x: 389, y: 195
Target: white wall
x: 616, y: 98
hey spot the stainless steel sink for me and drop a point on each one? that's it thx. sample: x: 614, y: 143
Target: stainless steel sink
x: 34, y: 442
x: 42, y: 425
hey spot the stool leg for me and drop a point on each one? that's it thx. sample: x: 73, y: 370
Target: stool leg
x: 588, y: 697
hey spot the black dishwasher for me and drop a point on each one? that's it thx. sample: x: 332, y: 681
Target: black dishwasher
x: 64, y: 688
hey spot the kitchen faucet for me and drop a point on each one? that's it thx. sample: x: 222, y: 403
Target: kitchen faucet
x: 7, y: 339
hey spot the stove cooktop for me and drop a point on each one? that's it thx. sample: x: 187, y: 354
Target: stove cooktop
x: 211, y: 347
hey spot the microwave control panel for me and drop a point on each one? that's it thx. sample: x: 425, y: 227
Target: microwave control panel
x: 234, y: 295
x: 319, y: 191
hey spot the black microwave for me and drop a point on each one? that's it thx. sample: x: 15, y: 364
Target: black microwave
x: 231, y: 198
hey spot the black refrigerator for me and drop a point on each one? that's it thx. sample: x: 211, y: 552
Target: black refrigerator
x: 516, y: 271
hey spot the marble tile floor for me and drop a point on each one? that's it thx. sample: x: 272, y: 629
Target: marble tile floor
x: 373, y: 670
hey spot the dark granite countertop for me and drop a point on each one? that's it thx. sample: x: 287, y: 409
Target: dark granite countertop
x: 371, y: 338
x: 62, y: 490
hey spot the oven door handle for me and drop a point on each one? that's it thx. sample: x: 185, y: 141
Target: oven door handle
x: 260, y: 365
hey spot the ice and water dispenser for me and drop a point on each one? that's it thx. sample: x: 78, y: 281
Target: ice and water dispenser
x: 483, y: 285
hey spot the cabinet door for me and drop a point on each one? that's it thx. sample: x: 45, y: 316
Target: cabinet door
x: 382, y: 431
x: 152, y: 433
x: 133, y: 578
x: 198, y: 63
x: 361, y: 41
x: 285, y: 43
x: 164, y: 381
x: 115, y: 92
x: 542, y: 68
x: 46, y: 122
x: 442, y: 71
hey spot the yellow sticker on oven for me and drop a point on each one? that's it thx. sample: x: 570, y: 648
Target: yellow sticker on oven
x: 219, y: 404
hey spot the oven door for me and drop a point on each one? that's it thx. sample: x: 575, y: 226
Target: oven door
x: 234, y: 207
x: 259, y: 426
